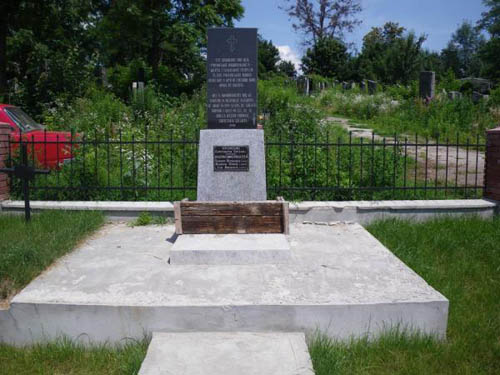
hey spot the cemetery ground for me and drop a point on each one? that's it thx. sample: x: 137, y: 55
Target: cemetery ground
x: 450, y: 161
x: 128, y: 149
x: 458, y: 257
x: 28, y: 249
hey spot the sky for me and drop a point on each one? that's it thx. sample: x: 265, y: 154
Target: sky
x: 436, y: 18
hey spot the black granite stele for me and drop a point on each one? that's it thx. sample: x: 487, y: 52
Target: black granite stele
x: 231, y: 159
x: 232, y: 78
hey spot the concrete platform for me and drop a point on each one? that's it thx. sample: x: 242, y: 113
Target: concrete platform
x: 236, y: 249
x: 119, y: 284
x: 225, y: 353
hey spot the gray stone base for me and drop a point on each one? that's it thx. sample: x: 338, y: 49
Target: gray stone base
x: 232, y: 186
x: 231, y: 353
x: 118, y: 285
x: 231, y: 249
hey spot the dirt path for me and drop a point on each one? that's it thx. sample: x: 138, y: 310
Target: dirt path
x: 455, y: 164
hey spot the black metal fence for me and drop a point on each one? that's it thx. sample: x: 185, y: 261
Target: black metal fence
x: 147, y: 166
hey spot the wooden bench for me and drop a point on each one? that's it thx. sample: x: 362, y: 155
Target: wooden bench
x: 231, y: 217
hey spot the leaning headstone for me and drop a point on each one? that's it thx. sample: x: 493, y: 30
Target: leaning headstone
x: 454, y: 95
x: 372, y: 87
x: 476, y: 96
x: 231, y: 162
x: 138, y: 91
x: 427, y: 85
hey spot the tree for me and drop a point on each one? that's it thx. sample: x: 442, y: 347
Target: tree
x: 404, y: 58
x: 327, y: 57
x: 376, y: 44
x: 391, y: 55
x: 432, y: 61
x: 490, y: 52
x: 49, y: 48
x: 8, y: 8
x: 269, y: 56
x: 461, y: 53
x: 287, y: 68
x: 323, y: 19
x: 169, y: 34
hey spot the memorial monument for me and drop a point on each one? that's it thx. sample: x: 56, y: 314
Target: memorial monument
x: 232, y: 222
x: 231, y: 162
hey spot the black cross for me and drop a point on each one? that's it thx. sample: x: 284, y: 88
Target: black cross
x: 232, y: 41
x: 26, y: 173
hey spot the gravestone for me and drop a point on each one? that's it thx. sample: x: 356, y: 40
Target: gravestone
x: 427, y: 85
x: 372, y: 87
x: 231, y: 162
x: 362, y: 86
x: 477, y: 96
x: 453, y: 95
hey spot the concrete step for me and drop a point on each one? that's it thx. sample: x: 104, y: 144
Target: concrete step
x: 236, y: 249
x: 227, y: 353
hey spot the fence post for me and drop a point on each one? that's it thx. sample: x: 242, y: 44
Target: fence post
x: 4, y: 154
x: 492, y: 165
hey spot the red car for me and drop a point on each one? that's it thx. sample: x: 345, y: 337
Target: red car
x: 52, y: 148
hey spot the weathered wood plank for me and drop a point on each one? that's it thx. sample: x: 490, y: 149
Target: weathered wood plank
x: 231, y: 209
x: 286, y: 218
x: 178, y: 217
x: 232, y: 224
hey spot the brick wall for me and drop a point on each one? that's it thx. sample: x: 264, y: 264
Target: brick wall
x: 4, y: 154
x: 492, y: 166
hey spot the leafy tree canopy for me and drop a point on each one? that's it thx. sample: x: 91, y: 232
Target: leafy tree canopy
x: 269, y: 56
x: 328, y: 57
x: 490, y: 52
x: 391, y: 55
x: 55, y: 48
x: 461, y: 54
x: 169, y: 35
x: 287, y: 68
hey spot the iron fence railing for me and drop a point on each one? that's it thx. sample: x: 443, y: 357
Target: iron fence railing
x: 148, y: 166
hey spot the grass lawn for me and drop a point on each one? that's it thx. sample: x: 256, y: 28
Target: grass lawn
x: 461, y: 259
x: 458, y: 257
x: 27, y: 249
x: 67, y: 358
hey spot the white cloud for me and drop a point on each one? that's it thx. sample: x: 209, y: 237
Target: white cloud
x: 288, y: 54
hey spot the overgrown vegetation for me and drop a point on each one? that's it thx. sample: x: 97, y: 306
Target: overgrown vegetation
x: 29, y: 248
x: 297, y: 154
x: 398, y: 110
x: 461, y: 262
x: 145, y: 218
x: 303, y: 152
